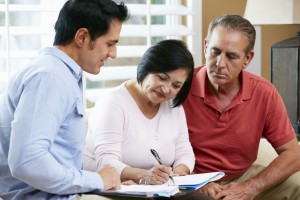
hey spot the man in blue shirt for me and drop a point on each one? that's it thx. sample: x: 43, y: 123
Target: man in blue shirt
x: 41, y: 120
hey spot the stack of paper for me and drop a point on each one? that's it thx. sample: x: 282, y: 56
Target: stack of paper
x: 143, y: 191
x: 195, y: 181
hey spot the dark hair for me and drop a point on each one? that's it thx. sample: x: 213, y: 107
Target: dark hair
x: 235, y: 23
x: 94, y: 15
x: 165, y: 56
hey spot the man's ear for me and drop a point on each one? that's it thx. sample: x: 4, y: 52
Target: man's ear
x: 248, y: 59
x: 205, y: 46
x: 82, y: 36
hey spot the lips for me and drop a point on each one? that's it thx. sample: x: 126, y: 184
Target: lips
x: 102, y: 62
x: 159, y: 94
x: 218, y: 75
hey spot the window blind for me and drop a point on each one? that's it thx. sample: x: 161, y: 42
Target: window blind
x: 28, y: 25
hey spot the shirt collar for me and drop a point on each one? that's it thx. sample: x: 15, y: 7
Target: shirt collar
x: 200, y: 85
x: 69, y: 62
x: 199, y: 82
x: 246, y: 91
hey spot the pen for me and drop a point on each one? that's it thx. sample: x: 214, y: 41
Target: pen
x: 156, y: 156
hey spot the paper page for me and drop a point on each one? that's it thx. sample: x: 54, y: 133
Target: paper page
x: 194, y: 179
x: 148, y: 188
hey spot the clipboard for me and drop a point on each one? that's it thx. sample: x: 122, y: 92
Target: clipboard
x: 143, y: 191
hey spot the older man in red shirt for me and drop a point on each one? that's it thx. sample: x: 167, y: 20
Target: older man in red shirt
x: 229, y: 110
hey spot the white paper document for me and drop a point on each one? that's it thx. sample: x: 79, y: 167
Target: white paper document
x: 195, y: 181
x: 188, y: 182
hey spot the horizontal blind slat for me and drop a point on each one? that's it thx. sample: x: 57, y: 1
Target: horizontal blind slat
x: 114, y: 73
x: 135, y: 9
x: 30, y: 8
x: 162, y: 9
x: 127, y: 30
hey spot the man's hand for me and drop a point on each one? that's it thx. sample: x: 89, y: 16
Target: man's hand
x: 236, y: 191
x: 110, y: 178
x: 211, y: 189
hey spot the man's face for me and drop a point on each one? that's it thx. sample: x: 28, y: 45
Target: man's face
x: 94, y: 53
x: 225, y: 56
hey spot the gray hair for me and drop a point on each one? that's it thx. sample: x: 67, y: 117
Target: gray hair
x: 235, y: 23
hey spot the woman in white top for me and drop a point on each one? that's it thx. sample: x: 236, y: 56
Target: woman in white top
x: 142, y: 114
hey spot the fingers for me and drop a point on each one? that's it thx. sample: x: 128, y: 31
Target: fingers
x: 179, y: 173
x: 211, y: 189
x: 129, y: 182
x: 110, y: 178
x: 159, y: 174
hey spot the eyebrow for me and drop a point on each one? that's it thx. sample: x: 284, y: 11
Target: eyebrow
x: 169, y: 78
x: 114, y: 41
x: 236, y: 55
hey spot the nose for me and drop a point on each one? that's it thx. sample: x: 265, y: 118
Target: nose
x: 221, y: 60
x: 112, y: 53
x: 166, y: 88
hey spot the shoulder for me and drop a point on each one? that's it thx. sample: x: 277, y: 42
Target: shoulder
x: 41, y: 80
x: 199, y: 68
x: 258, y: 83
x: 113, y: 99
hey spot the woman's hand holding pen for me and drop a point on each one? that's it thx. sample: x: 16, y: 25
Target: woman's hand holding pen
x: 157, y: 175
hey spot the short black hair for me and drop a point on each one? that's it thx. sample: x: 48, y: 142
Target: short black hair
x: 165, y: 56
x: 94, y: 15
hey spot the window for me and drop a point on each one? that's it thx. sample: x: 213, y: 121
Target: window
x: 27, y: 26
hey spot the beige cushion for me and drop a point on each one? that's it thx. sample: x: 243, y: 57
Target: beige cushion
x: 266, y: 153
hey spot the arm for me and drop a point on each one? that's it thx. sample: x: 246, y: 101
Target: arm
x: 39, y: 113
x: 184, y: 157
x: 278, y: 130
x: 181, y: 170
x: 281, y: 168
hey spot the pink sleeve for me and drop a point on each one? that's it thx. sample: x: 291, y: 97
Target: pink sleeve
x: 106, y: 127
x: 184, y: 152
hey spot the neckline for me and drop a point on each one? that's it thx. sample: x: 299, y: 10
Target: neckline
x: 138, y: 108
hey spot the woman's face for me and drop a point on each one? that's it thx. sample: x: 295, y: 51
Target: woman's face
x: 160, y: 87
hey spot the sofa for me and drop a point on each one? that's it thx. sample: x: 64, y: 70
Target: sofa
x: 266, y: 153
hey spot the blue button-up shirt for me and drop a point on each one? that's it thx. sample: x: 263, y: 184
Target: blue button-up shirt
x: 42, y: 131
